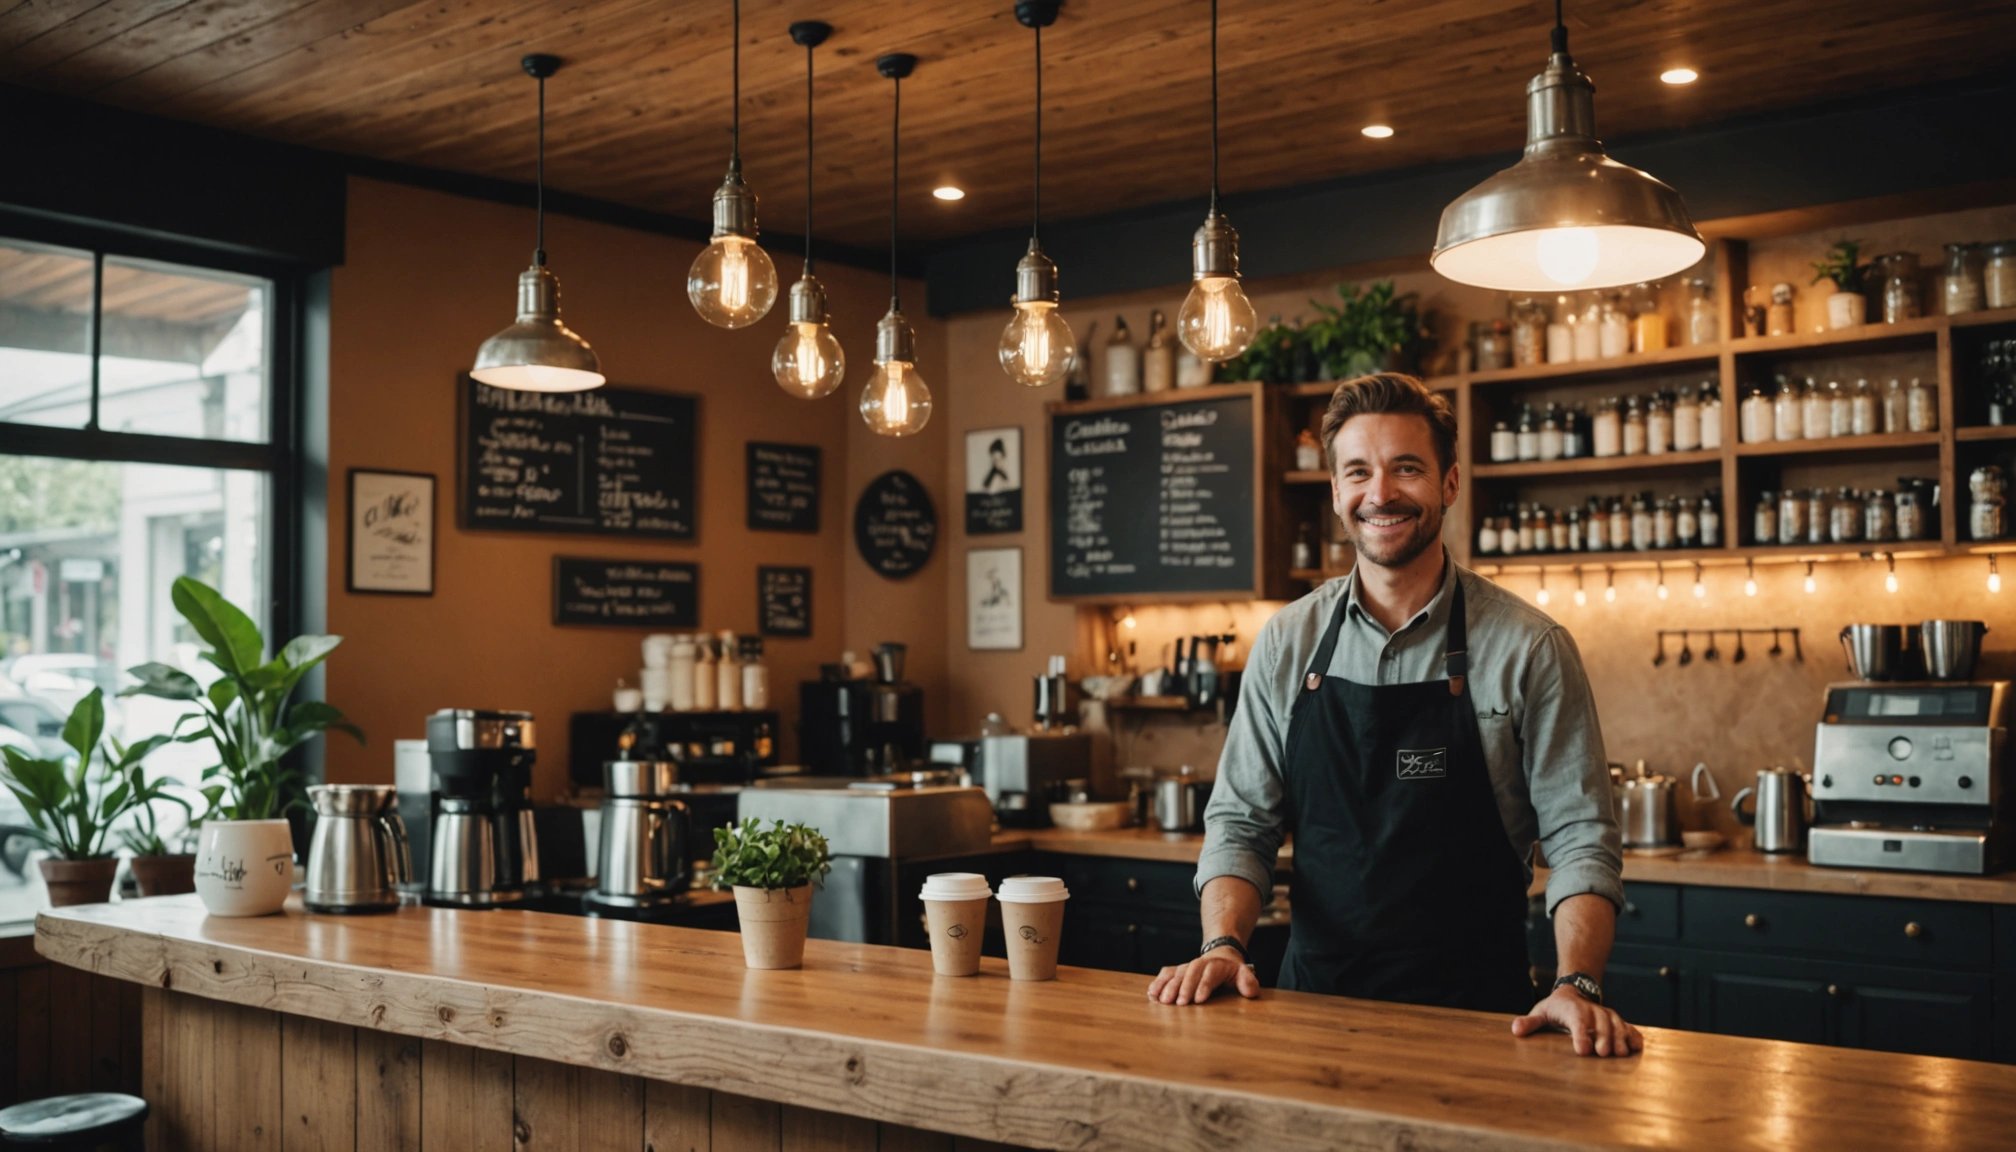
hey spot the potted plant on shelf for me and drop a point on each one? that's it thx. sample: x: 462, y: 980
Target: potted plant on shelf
x: 1375, y: 329
x: 73, y: 808
x: 772, y: 871
x: 1847, y: 308
x: 1279, y: 354
x: 245, y: 850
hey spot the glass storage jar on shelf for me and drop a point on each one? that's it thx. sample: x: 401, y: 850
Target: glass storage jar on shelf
x: 1589, y: 330
x: 1613, y: 327
x: 1504, y: 443
x: 1863, y: 419
x: 1778, y: 319
x: 1648, y: 324
x: 1525, y: 528
x: 1702, y: 325
x: 1921, y: 406
x: 1710, y: 519
x: 1620, y: 525
x: 1756, y: 417
x: 1840, y: 410
x: 1634, y: 426
x: 1490, y: 345
x: 1819, y: 515
x: 1529, y: 333
x: 1641, y: 523
x: 1815, y: 412
x: 1574, y: 433
x: 1665, y: 523
x: 1895, y: 416
x: 1595, y: 527
x: 1711, y: 415
x: 1785, y: 410
x: 1659, y: 424
x: 1879, y: 516
x: 1487, y: 537
x: 1686, y: 524
x: 1686, y: 420
x: 1910, y: 515
x: 1561, y: 331
x: 1897, y: 277
x: 1792, y: 516
x: 1508, y: 533
x: 1960, y: 288
x: 1606, y: 428
x: 1844, y: 517
x: 1998, y: 274
x: 1565, y: 532
x: 1528, y: 435
x: 1550, y: 433
x: 1988, y: 513
x: 1764, y: 519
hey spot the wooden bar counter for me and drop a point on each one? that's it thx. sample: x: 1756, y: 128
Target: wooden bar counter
x: 514, y: 1030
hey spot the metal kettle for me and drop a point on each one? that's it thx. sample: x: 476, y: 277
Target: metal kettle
x: 1646, y: 811
x: 1780, y: 815
x: 358, y: 853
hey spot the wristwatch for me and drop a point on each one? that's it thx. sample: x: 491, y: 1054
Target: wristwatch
x: 1584, y: 985
x: 1231, y: 942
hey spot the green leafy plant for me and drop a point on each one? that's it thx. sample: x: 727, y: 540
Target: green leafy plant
x: 73, y: 808
x: 244, y: 713
x: 781, y: 856
x: 143, y: 836
x: 1368, y: 330
x: 1842, y: 266
x: 1272, y: 358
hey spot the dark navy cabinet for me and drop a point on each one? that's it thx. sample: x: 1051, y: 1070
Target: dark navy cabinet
x: 1139, y: 915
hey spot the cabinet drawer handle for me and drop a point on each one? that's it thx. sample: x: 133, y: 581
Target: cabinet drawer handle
x: 1133, y: 928
x: 1630, y: 909
x: 1753, y: 921
x: 1913, y: 930
x: 1665, y: 973
x: 1834, y: 990
x: 1133, y: 885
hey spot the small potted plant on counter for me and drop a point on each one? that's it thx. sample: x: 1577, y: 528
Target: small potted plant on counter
x: 1847, y: 308
x: 73, y: 808
x: 158, y: 868
x: 772, y: 871
x: 245, y: 854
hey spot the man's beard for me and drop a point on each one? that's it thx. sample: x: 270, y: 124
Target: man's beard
x: 1397, y: 554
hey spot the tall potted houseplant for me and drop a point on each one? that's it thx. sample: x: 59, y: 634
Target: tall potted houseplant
x: 1848, y: 307
x: 772, y: 871
x: 73, y: 808
x: 1375, y: 329
x: 245, y: 851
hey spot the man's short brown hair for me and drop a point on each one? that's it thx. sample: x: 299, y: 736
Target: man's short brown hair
x: 1391, y: 394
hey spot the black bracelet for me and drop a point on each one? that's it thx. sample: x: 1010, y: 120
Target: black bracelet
x: 1225, y: 942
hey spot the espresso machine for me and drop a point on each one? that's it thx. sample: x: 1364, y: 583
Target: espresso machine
x: 483, y: 850
x: 850, y: 727
x: 1913, y: 776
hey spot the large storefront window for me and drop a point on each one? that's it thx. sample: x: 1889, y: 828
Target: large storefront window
x: 142, y: 362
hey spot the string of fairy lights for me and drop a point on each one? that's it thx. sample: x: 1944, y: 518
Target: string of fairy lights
x: 1810, y: 583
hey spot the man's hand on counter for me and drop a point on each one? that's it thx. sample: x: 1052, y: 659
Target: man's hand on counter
x: 1194, y: 982
x: 1595, y: 1030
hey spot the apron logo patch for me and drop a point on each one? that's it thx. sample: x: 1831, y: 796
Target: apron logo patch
x: 1422, y: 763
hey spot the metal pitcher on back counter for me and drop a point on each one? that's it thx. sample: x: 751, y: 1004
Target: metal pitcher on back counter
x: 358, y: 854
x: 1780, y: 815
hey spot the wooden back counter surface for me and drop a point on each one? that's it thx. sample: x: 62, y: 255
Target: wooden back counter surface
x: 1085, y: 1062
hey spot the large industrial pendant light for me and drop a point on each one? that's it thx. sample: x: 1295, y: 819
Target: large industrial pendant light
x: 1217, y: 321
x: 808, y: 362
x: 896, y: 401
x: 538, y: 353
x: 1566, y: 215
x: 1037, y: 347
x: 732, y: 282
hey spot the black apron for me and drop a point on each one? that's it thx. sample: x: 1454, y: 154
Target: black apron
x: 1406, y: 885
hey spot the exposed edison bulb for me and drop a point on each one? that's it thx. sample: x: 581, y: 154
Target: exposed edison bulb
x: 1812, y: 585
x: 1750, y: 586
x: 1662, y: 591
x: 1890, y: 582
x: 1567, y: 255
x: 1581, y: 597
x: 732, y: 282
x: 808, y: 362
x: 1542, y: 597
x: 1700, y: 590
x: 1037, y: 348
x: 1994, y: 576
x: 1128, y: 621
x: 896, y: 401
x: 1217, y: 321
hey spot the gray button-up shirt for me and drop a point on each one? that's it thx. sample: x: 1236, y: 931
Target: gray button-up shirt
x: 1535, y: 713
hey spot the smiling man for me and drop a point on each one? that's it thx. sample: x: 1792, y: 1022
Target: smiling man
x: 1418, y: 730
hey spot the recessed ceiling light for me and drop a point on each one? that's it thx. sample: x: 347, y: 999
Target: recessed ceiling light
x: 1377, y: 131
x: 948, y: 192
x: 1679, y: 75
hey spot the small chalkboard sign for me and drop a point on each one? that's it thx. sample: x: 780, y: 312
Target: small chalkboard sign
x: 784, y: 601
x: 783, y: 487
x: 640, y: 593
x: 895, y: 524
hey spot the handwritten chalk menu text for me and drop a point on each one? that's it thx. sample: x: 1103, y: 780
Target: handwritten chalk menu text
x: 895, y: 524
x: 784, y: 601
x: 783, y: 487
x: 1153, y: 499
x: 656, y: 593
x: 613, y: 462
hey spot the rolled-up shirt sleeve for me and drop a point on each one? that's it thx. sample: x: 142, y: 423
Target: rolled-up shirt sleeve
x: 1243, y: 824
x: 1567, y: 774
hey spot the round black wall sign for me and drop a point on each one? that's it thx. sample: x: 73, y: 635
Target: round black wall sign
x: 895, y: 526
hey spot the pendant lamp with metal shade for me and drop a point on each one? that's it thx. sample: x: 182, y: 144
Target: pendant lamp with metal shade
x: 1037, y: 348
x: 538, y: 353
x: 1216, y: 321
x: 808, y: 362
x: 1566, y: 215
x: 895, y: 401
x: 732, y: 283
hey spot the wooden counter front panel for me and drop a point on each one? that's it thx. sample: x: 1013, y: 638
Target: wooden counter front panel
x: 222, y: 1076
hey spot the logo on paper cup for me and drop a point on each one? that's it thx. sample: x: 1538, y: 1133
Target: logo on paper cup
x: 1030, y: 934
x: 956, y: 931
x: 1422, y: 763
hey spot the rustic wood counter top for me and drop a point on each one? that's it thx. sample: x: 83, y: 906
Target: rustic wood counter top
x: 1084, y: 1062
x: 1742, y: 867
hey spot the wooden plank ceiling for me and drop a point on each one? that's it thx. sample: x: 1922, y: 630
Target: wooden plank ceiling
x: 640, y: 115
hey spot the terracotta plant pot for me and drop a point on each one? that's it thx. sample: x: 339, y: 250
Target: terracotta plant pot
x: 79, y: 881
x: 774, y: 921
x: 244, y: 867
x: 165, y: 875
x: 1846, y: 309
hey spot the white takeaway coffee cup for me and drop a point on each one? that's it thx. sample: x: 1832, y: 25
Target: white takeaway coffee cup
x: 955, y: 913
x: 1032, y: 915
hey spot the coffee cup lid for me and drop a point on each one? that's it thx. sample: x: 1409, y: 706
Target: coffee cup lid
x: 955, y: 886
x: 1032, y: 890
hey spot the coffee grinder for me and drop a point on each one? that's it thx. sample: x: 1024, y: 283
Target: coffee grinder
x: 484, y: 849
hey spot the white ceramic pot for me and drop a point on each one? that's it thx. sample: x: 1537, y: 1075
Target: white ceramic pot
x: 244, y: 867
x: 1846, y: 309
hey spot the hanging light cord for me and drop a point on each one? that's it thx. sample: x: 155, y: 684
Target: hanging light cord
x: 1560, y: 31
x: 1214, y: 106
x: 895, y: 163
x: 539, y: 195
x: 808, y: 159
x: 735, y: 69
x: 1036, y: 223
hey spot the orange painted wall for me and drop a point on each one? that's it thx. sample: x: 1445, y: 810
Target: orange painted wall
x: 428, y: 277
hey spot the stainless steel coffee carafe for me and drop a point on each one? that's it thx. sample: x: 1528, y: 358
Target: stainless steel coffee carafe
x: 358, y: 854
x: 1780, y: 815
x: 643, y: 859
x: 1647, y: 813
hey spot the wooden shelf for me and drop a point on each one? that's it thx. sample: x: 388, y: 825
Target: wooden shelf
x: 1313, y: 476
x: 1586, y: 465
x: 1149, y: 704
x: 1879, y: 442
x: 1976, y: 319
x: 1316, y: 575
x: 1634, y: 362
x: 1922, y: 331
x: 1680, y: 559
x: 1986, y: 432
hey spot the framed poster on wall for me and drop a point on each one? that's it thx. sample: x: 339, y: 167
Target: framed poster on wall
x: 994, y: 599
x: 390, y: 541
x: 993, y: 481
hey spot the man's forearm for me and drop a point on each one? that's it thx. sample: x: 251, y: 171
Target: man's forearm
x: 1230, y: 906
x: 1584, y: 927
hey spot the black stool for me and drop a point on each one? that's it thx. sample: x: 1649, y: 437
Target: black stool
x: 83, y: 1122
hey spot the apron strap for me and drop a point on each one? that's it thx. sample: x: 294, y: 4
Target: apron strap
x: 1455, y: 659
x: 1320, y: 666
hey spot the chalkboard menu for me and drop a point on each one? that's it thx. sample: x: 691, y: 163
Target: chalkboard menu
x: 650, y: 593
x: 1154, y: 498
x: 613, y: 461
x: 895, y: 524
x: 784, y: 601
x: 783, y: 487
